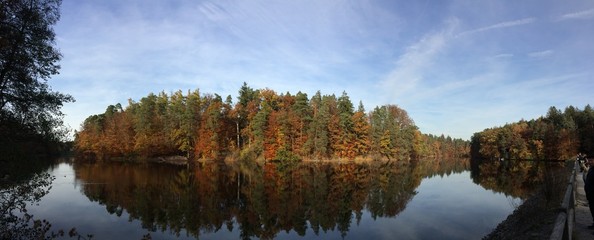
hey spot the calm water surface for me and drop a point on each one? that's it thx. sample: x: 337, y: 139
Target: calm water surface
x: 321, y: 201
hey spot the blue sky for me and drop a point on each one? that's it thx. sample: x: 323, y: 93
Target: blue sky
x: 457, y: 67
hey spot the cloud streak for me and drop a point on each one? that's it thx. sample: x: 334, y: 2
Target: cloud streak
x: 541, y: 54
x: 506, y: 24
x: 586, y: 14
x: 411, y: 65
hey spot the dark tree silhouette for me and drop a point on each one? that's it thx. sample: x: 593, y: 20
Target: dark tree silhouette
x: 28, y: 58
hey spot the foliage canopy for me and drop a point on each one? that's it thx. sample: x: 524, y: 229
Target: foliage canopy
x: 28, y: 58
x: 262, y: 124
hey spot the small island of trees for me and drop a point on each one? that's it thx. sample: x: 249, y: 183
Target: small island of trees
x: 262, y: 124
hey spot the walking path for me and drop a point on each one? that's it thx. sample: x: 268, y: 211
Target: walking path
x: 583, y: 219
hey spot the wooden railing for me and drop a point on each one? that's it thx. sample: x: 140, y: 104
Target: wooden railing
x: 566, y: 219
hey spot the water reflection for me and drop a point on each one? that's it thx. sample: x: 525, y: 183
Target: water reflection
x: 259, y: 200
x: 513, y: 177
x: 377, y: 200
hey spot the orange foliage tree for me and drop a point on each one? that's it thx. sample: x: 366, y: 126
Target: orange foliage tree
x: 262, y: 124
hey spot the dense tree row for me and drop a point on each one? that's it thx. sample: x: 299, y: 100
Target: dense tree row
x: 262, y: 124
x: 557, y: 136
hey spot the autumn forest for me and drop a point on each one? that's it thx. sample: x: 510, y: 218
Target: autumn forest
x: 262, y: 124
x: 559, y: 135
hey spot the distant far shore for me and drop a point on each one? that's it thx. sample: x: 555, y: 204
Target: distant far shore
x: 182, y: 160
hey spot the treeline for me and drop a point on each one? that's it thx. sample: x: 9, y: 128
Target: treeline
x: 260, y: 125
x: 560, y: 135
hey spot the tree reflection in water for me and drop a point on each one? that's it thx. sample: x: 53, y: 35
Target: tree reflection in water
x: 15, y: 221
x: 259, y: 200
x: 515, y: 178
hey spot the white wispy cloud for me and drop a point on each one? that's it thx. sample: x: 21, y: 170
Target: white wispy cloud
x: 451, y: 102
x: 540, y: 54
x: 586, y: 14
x: 503, y: 55
x: 413, y: 63
x: 431, y: 88
x: 505, y: 24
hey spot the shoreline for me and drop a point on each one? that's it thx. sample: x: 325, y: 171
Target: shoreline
x: 535, y: 217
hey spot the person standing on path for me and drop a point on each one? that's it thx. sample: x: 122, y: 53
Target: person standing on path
x: 589, y: 188
x: 584, y: 166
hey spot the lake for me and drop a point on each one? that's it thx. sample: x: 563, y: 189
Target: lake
x: 374, y: 200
